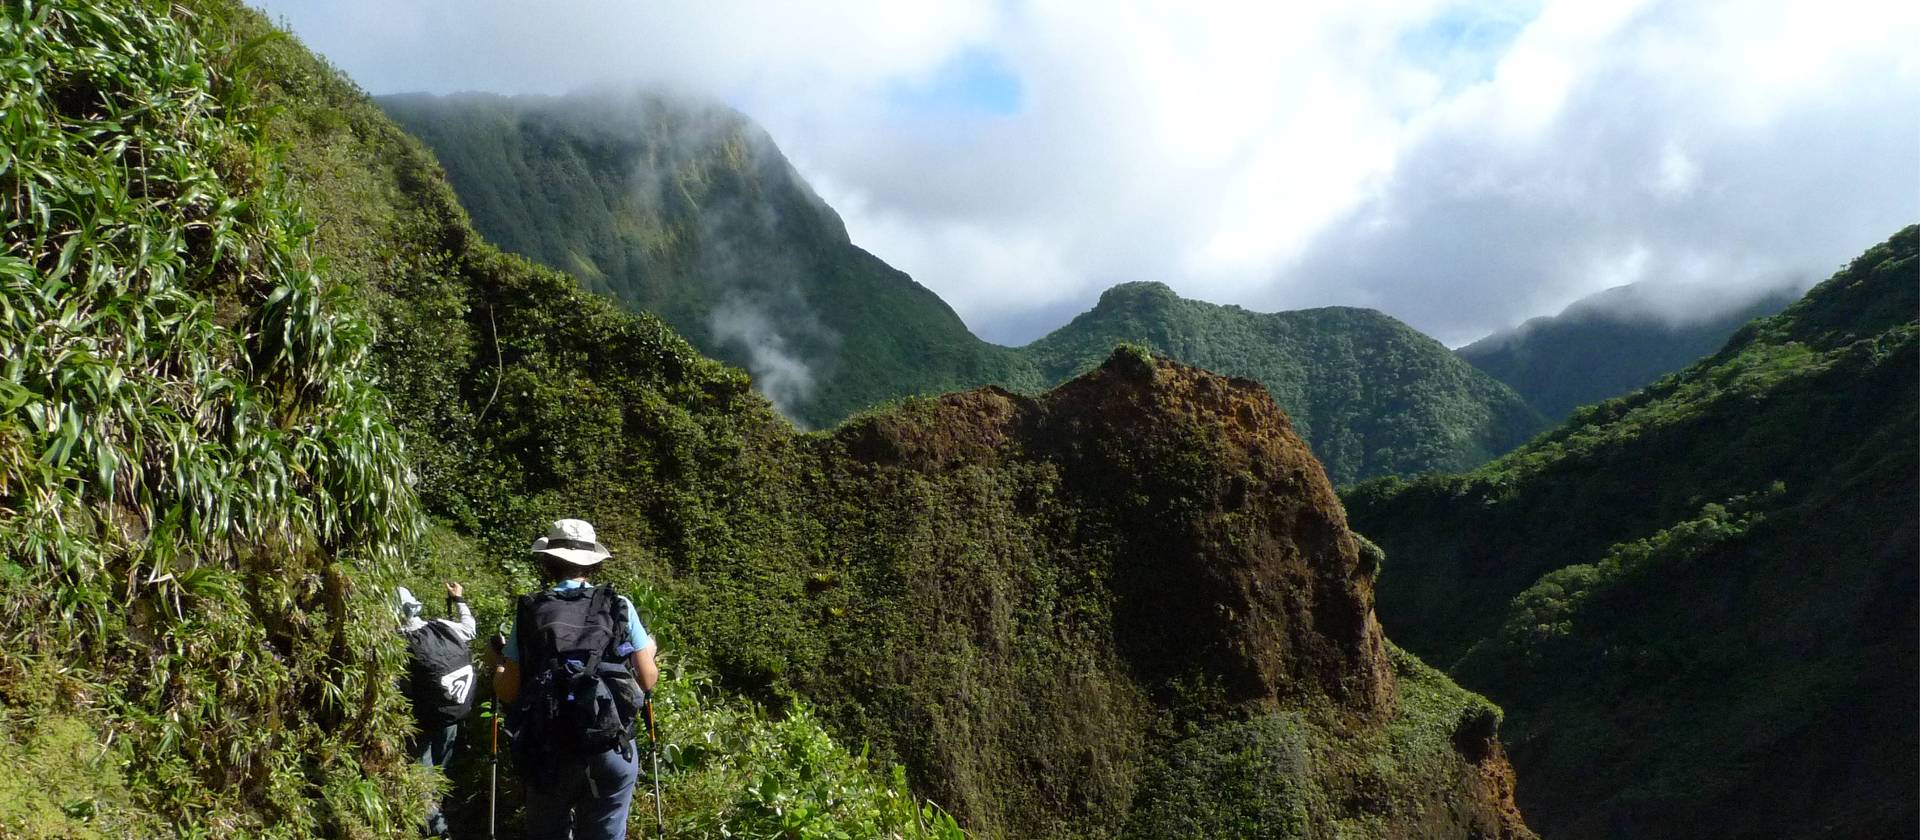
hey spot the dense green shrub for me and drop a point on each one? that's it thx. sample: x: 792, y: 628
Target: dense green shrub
x: 200, y: 496
x: 1274, y: 775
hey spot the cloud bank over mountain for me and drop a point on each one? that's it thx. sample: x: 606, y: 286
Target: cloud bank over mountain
x: 1462, y: 166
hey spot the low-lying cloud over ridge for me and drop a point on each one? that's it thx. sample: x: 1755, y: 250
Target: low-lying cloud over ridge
x: 1462, y: 166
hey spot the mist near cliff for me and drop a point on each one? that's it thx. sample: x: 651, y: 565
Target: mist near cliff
x: 1462, y: 166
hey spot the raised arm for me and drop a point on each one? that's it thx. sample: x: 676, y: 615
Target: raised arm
x: 463, y: 616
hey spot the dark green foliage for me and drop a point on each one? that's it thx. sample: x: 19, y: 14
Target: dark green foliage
x: 200, y: 496
x: 1269, y: 777
x: 1602, y: 347
x: 688, y: 211
x: 1695, y: 599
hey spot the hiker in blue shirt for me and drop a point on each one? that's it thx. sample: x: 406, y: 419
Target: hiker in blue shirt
x: 577, y: 649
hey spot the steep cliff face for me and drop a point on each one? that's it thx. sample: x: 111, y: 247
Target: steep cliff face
x: 1248, y: 570
x: 1230, y: 554
x: 1163, y: 623
x: 686, y: 209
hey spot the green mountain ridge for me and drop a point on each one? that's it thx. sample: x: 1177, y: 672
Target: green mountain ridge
x: 1609, y: 344
x: 284, y: 418
x: 697, y: 224
x: 686, y: 209
x: 1374, y: 395
x: 1697, y: 601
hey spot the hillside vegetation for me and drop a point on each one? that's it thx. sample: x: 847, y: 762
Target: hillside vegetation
x: 1697, y: 602
x: 688, y: 210
x: 1607, y: 345
x: 1129, y: 606
x: 200, y: 493
x: 1374, y: 395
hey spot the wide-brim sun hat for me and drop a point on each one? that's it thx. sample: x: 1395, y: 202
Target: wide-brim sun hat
x: 573, y: 541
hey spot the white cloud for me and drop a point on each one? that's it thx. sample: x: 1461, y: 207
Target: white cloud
x: 1662, y: 158
x: 1461, y: 165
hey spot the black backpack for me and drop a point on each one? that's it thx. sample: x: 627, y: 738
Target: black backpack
x: 440, y: 676
x: 577, y: 697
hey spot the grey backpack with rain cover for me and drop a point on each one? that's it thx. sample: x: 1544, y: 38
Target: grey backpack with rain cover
x: 577, y: 697
x: 440, y: 675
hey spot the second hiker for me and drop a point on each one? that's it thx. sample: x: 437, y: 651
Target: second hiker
x: 439, y: 682
x: 572, y: 677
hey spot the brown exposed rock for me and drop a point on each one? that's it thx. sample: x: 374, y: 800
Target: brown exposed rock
x: 1226, y: 551
x: 1236, y: 554
x: 1246, y: 564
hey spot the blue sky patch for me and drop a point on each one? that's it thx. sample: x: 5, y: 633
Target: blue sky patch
x: 1464, y: 43
x: 972, y: 82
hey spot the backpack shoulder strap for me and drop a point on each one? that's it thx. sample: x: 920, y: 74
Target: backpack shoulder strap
x: 606, y: 602
x: 524, y: 627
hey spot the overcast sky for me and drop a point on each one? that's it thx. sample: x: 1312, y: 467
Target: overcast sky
x: 1459, y: 165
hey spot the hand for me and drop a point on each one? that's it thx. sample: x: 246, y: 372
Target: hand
x: 455, y: 590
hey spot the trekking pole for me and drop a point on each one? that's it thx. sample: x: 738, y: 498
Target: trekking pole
x: 653, y: 735
x: 493, y: 786
x: 498, y: 643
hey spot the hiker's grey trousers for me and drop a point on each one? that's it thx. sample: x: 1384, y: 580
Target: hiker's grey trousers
x: 590, y: 799
x: 433, y: 747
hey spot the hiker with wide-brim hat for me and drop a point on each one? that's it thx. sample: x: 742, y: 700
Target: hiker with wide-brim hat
x: 573, y: 674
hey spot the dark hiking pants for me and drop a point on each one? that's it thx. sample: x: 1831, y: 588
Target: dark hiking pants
x: 589, y: 799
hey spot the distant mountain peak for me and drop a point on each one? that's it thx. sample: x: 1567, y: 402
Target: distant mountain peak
x: 1610, y: 343
x: 1138, y: 291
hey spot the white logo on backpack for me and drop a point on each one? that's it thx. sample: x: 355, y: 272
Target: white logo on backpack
x: 458, y: 683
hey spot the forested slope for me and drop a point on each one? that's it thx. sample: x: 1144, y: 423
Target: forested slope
x: 1608, y: 345
x: 687, y: 210
x: 1697, y: 602
x: 1374, y: 395
x: 260, y: 369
